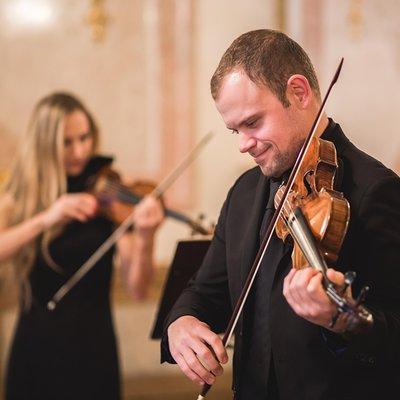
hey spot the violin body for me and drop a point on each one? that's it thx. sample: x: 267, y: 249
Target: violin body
x: 117, y: 200
x: 326, y: 210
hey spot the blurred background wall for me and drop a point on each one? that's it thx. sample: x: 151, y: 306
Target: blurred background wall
x: 143, y: 68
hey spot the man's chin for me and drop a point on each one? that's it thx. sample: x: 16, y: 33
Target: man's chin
x: 271, y: 171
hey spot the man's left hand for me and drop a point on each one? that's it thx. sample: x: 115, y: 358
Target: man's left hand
x: 305, y: 293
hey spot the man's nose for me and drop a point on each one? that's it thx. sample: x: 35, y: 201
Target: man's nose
x: 246, y: 142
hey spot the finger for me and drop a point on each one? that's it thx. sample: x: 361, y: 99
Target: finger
x: 303, y: 303
x: 298, y: 287
x: 286, y: 287
x: 187, y: 371
x: 208, y: 358
x: 147, y: 204
x: 88, y: 204
x: 86, y: 210
x: 318, y: 295
x: 335, y: 277
x: 314, y: 287
x: 148, y: 219
x: 79, y: 205
x: 301, y: 279
x: 289, y: 276
x: 196, y: 366
x: 76, y: 214
x: 215, y: 342
x: 320, y: 298
x: 287, y: 281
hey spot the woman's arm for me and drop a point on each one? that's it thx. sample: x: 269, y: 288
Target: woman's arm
x: 14, y: 238
x: 136, y: 249
x: 80, y: 206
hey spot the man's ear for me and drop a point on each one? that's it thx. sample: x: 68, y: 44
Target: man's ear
x: 298, y: 91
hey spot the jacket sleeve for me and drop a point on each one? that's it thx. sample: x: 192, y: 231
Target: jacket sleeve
x: 207, y: 294
x: 377, y: 251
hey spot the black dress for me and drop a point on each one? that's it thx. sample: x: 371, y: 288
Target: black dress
x: 69, y: 353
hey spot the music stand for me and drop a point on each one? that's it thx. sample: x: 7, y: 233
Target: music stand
x: 188, y: 257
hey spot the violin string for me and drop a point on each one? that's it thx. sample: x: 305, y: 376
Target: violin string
x: 114, y: 187
x: 126, y: 195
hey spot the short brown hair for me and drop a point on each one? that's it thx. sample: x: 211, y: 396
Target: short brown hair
x: 268, y: 57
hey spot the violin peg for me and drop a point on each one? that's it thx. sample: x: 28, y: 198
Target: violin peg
x: 349, y: 278
x: 363, y: 294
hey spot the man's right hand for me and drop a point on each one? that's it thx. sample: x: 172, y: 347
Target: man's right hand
x: 198, y: 351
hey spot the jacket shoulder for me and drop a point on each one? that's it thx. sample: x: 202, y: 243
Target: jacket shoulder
x: 249, y: 179
x: 362, y: 173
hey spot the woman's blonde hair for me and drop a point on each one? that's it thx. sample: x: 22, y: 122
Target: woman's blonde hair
x: 38, y: 177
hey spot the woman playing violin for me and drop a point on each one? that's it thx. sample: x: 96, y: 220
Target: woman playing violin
x: 288, y: 342
x: 49, y: 228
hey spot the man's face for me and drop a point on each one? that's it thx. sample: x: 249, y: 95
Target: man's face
x: 269, y: 132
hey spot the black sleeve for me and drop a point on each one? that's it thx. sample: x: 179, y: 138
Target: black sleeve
x: 378, y: 255
x: 207, y: 295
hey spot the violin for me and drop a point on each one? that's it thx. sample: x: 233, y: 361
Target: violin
x: 316, y: 216
x: 117, y: 200
x: 326, y: 211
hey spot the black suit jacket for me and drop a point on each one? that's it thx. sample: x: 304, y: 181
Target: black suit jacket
x: 306, y: 366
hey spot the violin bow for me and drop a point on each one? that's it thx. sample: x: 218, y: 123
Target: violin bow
x: 271, y: 227
x: 127, y: 223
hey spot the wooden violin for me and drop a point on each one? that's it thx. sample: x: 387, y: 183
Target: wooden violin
x: 326, y: 211
x: 117, y: 200
x: 316, y: 216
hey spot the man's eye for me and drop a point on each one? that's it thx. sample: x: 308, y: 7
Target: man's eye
x: 251, y: 123
x: 234, y: 132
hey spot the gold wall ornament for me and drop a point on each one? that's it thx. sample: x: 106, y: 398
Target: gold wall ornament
x: 97, y: 18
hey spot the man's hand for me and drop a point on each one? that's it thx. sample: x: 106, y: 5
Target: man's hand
x: 304, y: 292
x: 197, y: 350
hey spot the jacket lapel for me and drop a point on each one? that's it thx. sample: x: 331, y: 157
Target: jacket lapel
x: 251, y: 240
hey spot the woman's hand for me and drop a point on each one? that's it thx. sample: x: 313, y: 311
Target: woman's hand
x: 147, y: 217
x: 71, y: 206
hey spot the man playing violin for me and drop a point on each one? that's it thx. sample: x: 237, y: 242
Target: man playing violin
x: 288, y: 343
x: 49, y: 227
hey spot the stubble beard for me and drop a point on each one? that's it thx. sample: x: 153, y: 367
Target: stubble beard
x: 282, y: 162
